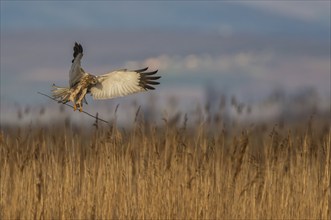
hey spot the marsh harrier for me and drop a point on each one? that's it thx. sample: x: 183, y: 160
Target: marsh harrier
x: 110, y: 85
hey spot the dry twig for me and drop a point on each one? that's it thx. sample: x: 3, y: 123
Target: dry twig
x: 96, y: 117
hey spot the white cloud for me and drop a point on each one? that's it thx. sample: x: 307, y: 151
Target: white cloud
x: 252, y: 63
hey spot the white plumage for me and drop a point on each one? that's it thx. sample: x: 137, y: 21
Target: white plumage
x: 116, y: 84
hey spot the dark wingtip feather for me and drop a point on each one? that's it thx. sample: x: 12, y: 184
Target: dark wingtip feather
x: 141, y: 70
x: 146, y: 79
x: 77, y: 50
x: 152, y: 82
x: 152, y: 77
x: 150, y: 73
x: 148, y: 87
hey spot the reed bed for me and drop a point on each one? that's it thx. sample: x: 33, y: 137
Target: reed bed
x: 168, y: 171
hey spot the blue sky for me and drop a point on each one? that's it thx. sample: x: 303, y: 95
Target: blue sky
x: 246, y: 48
x: 243, y: 16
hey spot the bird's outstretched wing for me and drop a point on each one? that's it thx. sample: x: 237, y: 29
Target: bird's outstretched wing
x: 76, y: 71
x: 123, y: 82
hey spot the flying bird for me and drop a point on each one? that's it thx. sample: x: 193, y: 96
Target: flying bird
x: 117, y: 83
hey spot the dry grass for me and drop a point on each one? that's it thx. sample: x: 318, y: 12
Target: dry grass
x: 168, y: 172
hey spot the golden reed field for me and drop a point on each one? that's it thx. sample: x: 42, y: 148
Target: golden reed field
x: 208, y: 170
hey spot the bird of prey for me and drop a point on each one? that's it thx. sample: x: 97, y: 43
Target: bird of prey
x: 110, y: 85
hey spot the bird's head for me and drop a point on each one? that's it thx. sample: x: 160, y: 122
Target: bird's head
x: 93, y: 80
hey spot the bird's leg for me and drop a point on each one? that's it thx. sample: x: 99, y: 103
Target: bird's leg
x: 72, y: 99
x: 73, y: 95
x: 80, y: 99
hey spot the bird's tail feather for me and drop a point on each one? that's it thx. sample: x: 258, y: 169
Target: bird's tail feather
x: 61, y: 94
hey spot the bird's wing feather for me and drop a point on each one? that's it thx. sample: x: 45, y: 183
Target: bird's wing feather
x: 76, y: 71
x: 123, y: 82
